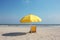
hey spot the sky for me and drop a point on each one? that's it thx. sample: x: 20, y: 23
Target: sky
x: 11, y: 11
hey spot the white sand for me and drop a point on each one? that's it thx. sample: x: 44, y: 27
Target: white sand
x: 41, y: 34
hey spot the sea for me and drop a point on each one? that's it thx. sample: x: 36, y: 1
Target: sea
x: 29, y: 25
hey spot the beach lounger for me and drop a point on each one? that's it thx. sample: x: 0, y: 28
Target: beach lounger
x: 33, y: 29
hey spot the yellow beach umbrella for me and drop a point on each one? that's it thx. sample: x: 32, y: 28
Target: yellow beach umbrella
x: 31, y: 18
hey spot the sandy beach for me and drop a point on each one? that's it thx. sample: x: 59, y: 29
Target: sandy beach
x: 21, y: 33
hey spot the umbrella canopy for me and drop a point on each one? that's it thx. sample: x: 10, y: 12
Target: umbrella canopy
x: 30, y: 18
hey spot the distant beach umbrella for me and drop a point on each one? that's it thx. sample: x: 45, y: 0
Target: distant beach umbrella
x: 31, y: 18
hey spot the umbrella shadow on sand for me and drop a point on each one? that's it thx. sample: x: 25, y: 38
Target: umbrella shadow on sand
x: 14, y: 34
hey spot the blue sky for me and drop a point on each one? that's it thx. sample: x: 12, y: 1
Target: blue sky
x: 11, y: 11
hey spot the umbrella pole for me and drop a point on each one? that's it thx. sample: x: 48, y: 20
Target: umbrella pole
x: 30, y: 28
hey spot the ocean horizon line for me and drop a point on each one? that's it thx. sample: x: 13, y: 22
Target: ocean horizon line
x: 29, y: 24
